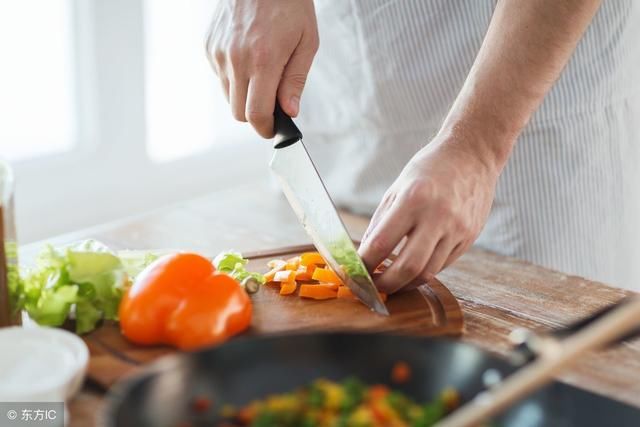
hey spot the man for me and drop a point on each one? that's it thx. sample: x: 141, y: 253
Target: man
x: 531, y: 111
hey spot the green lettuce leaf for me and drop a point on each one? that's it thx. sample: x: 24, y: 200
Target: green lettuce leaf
x: 234, y: 265
x: 345, y: 255
x: 86, y: 280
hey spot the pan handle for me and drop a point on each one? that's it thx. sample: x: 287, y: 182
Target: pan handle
x: 286, y: 132
x: 558, y: 355
x: 529, y: 345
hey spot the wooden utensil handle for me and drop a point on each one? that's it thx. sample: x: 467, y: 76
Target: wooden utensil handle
x: 552, y: 360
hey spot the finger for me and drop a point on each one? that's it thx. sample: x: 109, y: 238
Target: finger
x: 457, y: 252
x: 440, y: 254
x: 238, y: 98
x: 261, y: 101
x: 410, y: 263
x: 387, y: 202
x: 393, y: 226
x: 224, y: 81
x: 294, y: 78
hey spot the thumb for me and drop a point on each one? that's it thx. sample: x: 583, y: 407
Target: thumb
x: 293, y: 80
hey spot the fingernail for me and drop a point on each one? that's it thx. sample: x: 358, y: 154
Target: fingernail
x: 294, y: 105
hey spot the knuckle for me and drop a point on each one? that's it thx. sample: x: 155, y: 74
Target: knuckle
x: 460, y: 225
x: 236, y: 55
x: 256, y: 117
x: 443, y: 209
x: 261, y: 55
x: 417, y: 191
x: 219, y: 59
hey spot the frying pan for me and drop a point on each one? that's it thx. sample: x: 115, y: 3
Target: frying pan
x: 251, y: 368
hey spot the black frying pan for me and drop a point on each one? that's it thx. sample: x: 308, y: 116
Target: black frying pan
x: 251, y: 368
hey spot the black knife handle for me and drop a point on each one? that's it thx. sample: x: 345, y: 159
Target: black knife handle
x: 286, y: 132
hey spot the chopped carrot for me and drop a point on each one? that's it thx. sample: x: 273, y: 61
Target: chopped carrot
x: 345, y: 292
x: 276, y: 265
x: 293, y: 263
x: 285, y: 276
x: 317, y: 292
x: 311, y: 268
x: 378, y: 391
x: 302, y: 275
x: 333, y: 286
x: 201, y: 404
x: 312, y: 258
x: 326, y: 275
x: 288, y: 288
x: 401, y: 372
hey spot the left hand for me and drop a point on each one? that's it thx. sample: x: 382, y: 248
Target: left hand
x: 440, y: 202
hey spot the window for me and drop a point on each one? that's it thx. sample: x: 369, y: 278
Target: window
x: 37, y: 95
x: 186, y: 112
x: 121, y: 92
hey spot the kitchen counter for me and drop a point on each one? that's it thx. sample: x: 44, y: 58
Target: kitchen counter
x: 497, y: 293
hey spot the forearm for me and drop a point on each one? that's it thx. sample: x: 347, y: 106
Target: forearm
x: 524, y: 51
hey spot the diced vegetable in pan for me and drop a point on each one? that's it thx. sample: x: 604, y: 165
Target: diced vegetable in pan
x: 349, y: 403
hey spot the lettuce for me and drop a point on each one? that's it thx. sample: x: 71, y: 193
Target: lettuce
x: 234, y: 265
x: 85, y: 279
x: 344, y: 253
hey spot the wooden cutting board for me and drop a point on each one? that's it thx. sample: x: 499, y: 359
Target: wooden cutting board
x: 429, y: 310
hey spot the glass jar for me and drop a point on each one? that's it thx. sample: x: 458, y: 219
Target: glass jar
x: 9, y: 278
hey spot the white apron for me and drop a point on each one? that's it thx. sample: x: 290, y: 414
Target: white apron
x: 569, y: 198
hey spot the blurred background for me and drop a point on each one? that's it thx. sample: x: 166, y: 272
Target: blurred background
x: 109, y: 109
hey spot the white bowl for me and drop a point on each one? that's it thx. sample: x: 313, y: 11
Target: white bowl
x: 39, y: 364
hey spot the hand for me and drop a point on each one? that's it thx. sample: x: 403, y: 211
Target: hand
x: 261, y: 49
x: 440, y: 202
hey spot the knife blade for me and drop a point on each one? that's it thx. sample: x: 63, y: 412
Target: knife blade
x: 315, y: 210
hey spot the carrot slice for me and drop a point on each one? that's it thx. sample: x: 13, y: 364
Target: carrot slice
x: 303, y: 275
x: 285, y: 276
x: 317, y: 292
x: 326, y: 275
x: 287, y: 288
x: 293, y: 263
x: 311, y: 258
x: 401, y: 372
x: 345, y: 292
x: 378, y: 392
x: 311, y: 268
x: 276, y: 265
x: 333, y: 286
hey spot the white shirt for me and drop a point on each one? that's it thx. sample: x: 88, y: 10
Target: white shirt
x: 569, y: 198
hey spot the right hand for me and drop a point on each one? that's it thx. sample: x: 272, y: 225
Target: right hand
x: 260, y: 50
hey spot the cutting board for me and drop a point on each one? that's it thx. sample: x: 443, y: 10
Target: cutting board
x: 429, y: 310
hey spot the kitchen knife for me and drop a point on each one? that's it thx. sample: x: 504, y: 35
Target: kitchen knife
x: 314, y: 208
